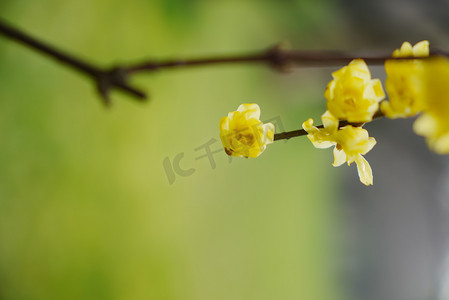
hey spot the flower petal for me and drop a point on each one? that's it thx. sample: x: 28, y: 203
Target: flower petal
x: 268, y: 132
x: 441, y: 145
x: 319, y: 144
x: 339, y: 157
x: 421, y: 49
x: 364, y: 170
x: 369, y: 144
x: 250, y: 110
x: 406, y: 50
x: 308, y: 126
x: 378, y: 90
x: 224, y: 124
x: 329, y: 121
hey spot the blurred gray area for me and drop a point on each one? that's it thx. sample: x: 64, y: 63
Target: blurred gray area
x: 399, y: 227
x: 398, y: 230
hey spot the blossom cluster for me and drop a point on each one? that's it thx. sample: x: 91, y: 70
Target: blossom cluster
x: 414, y: 86
x: 420, y: 87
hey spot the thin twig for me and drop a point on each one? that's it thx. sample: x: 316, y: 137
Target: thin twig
x: 118, y: 77
x: 276, y: 57
x: 103, y: 78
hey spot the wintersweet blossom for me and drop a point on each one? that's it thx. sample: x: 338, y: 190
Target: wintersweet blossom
x: 404, y: 83
x: 352, y: 95
x: 243, y: 134
x: 350, y: 143
x: 434, y: 121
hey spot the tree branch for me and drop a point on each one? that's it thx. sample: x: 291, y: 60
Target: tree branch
x: 104, y: 79
x: 118, y: 77
x: 276, y: 57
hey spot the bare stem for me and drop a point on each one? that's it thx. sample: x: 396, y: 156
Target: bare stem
x: 104, y: 79
x: 118, y: 77
x: 275, y: 57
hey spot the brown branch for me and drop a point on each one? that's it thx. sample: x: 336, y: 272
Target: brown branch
x: 105, y: 79
x: 118, y: 77
x: 276, y: 57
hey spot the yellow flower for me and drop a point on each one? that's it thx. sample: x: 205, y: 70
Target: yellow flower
x: 350, y: 143
x: 404, y: 82
x: 243, y: 134
x: 353, y: 95
x: 434, y: 122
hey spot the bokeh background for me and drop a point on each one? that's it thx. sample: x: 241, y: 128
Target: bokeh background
x: 91, y: 208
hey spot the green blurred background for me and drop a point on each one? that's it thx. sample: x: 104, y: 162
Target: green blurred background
x: 86, y: 208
